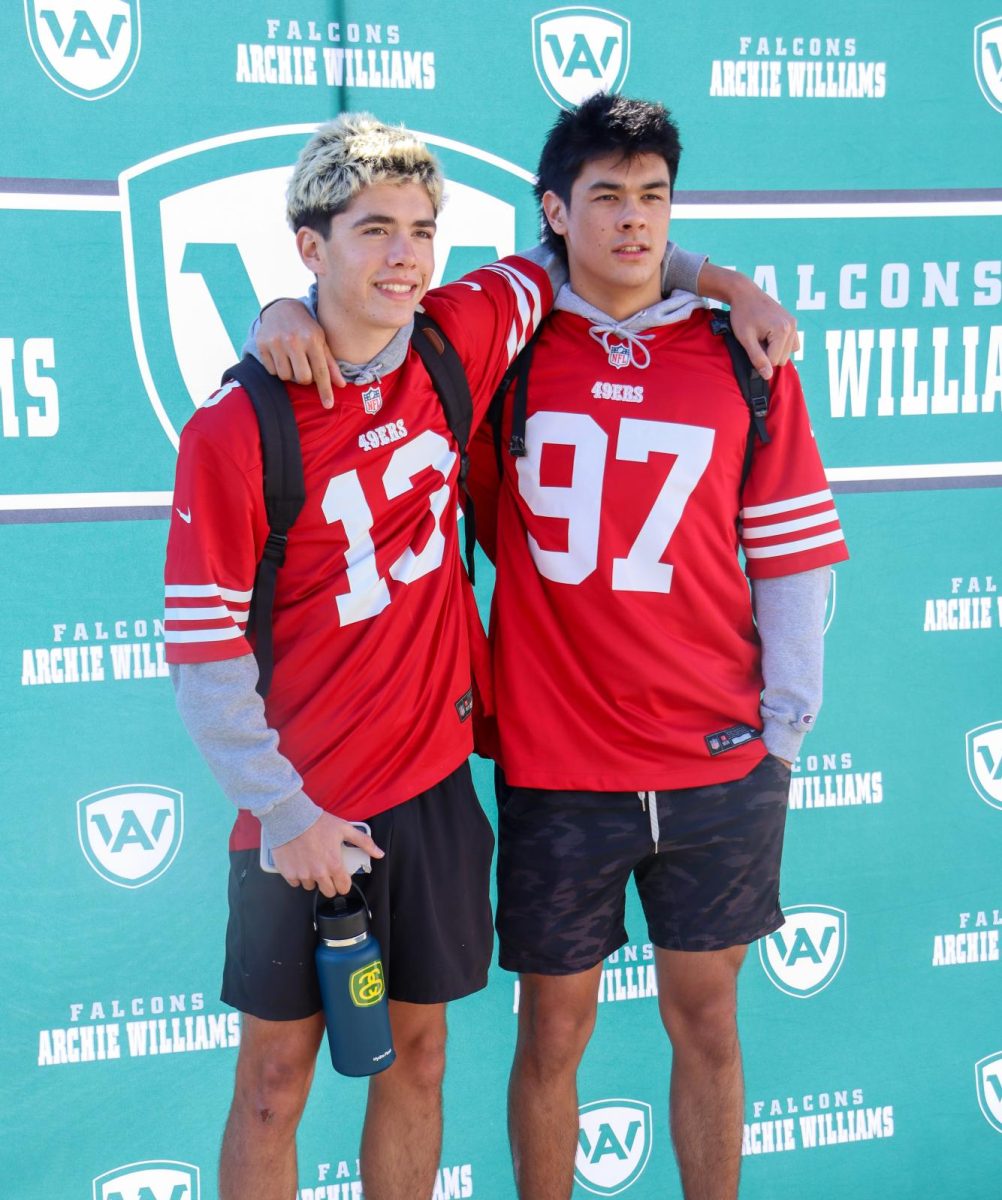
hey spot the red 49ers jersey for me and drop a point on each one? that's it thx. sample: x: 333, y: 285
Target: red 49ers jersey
x: 622, y: 632
x: 372, y: 672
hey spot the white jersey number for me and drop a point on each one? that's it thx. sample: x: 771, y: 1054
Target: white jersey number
x: 580, y: 501
x: 368, y: 593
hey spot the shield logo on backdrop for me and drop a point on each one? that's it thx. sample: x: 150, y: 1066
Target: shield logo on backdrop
x: 988, y: 60
x: 984, y: 761
x: 206, y: 243
x: 130, y: 835
x: 153, y: 1180
x: 580, y: 51
x: 614, y: 1144
x: 988, y: 1079
x: 89, y: 48
x: 830, y: 602
x: 805, y: 955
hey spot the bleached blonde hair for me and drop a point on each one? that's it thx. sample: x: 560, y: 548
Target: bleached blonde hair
x: 348, y: 154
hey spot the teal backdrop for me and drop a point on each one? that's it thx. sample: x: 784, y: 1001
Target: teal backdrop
x: 849, y: 156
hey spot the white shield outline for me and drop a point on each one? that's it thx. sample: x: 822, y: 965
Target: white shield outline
x: 774, y: 974
x: 830, y: 602
x: 181, y: 1172
x: 567, y: 96
x: 991, y: 1108
x: 636, y: 1164
x: 988, y: 789
x: 85, y: 807
x: 991, y: 88
x: 148, y: 187
x: 37, y: 39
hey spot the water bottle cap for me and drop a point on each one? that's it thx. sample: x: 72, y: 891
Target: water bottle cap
x: 342, y: 918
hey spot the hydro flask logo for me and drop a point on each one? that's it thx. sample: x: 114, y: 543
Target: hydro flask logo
x: 366, y: 985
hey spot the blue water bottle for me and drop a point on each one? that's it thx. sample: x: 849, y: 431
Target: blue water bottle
x: 350, y: 970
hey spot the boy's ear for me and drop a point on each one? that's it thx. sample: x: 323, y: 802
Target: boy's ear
x: 555, y: 211
x: 308, y: 243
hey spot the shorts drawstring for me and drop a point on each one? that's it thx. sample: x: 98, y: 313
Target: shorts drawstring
x: 652, y: 812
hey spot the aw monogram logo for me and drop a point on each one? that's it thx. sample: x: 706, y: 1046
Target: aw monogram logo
x: 988, y: 60
x: 988, y: 1079
x: 580, y: 51
x: 88, y: 48
x: 805, y: 955
x: 130, y: 835
x: 154, y: 1180
x: 206, y: 244
x: 984, y: 762
x: 614, y: 1144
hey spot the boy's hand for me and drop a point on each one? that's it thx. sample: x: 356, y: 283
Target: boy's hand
x: 314, y: 858
x: 293, y: 346
x: 762, y: 325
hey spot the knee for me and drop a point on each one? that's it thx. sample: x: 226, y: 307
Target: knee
x: 421, y: 1056
x: 705, y: 1023
x: 553, y: 1038
x: 273, y: 1087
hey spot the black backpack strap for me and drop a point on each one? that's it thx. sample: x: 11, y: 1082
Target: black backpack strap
x: 443, y: 364
x: 753, y: 387
x: 517, y: 373
x: 284, y: 496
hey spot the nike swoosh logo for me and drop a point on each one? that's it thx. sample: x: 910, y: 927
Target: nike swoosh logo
x: 185, y: 516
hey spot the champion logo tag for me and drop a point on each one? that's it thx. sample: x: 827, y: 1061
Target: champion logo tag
x: 372, y: 400
x: 619, y: 356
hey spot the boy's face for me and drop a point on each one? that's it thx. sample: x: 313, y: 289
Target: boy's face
x: 374, y: 266
x: 615, y: 229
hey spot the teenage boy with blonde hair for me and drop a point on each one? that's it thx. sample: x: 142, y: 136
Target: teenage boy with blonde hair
x: 367, y: 716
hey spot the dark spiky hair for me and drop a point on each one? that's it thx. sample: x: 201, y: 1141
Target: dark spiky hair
x: 602, y: 125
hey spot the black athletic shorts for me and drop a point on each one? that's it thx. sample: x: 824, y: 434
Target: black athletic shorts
x: 706, y: 862
x: 430, y: 904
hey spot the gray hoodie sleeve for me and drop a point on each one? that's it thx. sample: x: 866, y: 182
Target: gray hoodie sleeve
x: 225, y: 717
x: 680, y: 270
x: 790, y: 614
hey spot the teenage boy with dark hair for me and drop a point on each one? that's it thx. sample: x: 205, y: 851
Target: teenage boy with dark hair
x: 648, y: 707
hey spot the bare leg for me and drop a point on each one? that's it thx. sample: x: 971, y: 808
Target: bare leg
x: 698, y: 1001
x: 274, y: 1072
x: 556, y: 1016
x: 402, y: 1137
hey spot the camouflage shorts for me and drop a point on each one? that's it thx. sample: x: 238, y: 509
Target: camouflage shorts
x: 565, y: 858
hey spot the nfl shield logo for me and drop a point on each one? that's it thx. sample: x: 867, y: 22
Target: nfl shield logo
x: 580, y: 51
x: 89, y: 48
x: 154, y: 1180
x: 614, y: 1144
x: 619, y: 356
x: 988, y: 1078
x: 803, y: 957
x: 130, y: 835
x: 984, y: 762
x: 372, y: 400
x: 988, y: 60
